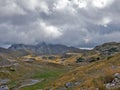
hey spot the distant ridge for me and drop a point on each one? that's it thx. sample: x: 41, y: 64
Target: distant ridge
x: 43, y: 48
x: 50, y: 49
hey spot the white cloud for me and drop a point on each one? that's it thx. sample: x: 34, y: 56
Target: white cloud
x: 105, y: 21
x: 29, y: 34
x: 9, y: 8
x: 70, y: 6
x: 35, y: 5
x: 64, y: 6
x: 80, y: 3
x: 102, y: 3
x: 50, y: 31
x: 61, y: 4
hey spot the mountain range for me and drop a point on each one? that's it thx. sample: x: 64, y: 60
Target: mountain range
x: 43, y: 48
x: 57, y: 49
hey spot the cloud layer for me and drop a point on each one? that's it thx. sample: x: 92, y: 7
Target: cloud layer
x: 83, y: 23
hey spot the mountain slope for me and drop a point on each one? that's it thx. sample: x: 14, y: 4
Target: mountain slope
x: 44, y: 48
x: 97, y: 75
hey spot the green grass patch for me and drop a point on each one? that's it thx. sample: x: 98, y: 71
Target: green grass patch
x: 49, y: 74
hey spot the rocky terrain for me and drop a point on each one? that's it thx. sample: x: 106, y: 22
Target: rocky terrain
x: 43, y: 48
x: 108, y: 48
x: 59, y: 67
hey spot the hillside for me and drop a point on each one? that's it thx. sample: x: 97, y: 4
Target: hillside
x: 95, y: 76
x: 107, y: 49
x: 33, y: 67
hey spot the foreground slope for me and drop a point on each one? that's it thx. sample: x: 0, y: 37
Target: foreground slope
x: 95, y: 76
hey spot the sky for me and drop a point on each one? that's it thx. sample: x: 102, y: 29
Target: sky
x: 81, y: 23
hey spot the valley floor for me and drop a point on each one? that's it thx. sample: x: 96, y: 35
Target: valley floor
x: 89, y: 70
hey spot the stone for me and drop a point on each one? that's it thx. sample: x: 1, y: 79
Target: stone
x: 116, y: 80
x: 77, y: 83
x: 69, y: 84
x: 12, y: 69
x: 117, y: 75
x: 4, y: 81
x: 4, y: 87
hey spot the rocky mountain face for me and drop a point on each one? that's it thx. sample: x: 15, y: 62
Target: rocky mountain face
x: 100, y: 52
x: 44, y: 48
x: 108, y: 48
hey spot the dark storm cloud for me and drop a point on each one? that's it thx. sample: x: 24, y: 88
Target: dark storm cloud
x: 83, y: 23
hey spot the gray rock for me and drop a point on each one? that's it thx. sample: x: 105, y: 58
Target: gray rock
x: 117, y: 75
x: 4, y: 81
x: 69, y: 84
x: 115, y: 83
x: 116, y: 80
x: 110, y: 85
x: 77, y: 83
x: 4, y: 87
x: 113, y: 67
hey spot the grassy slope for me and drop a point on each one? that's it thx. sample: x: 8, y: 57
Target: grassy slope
x: 93, y: 75
x: 49, y: 74
x: 40, y: 69
x: 36, y: 70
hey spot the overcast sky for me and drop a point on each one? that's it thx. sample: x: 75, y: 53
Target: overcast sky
x: 83, y: 23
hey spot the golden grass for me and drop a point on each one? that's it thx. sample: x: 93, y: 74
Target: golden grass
x: 94, y: 75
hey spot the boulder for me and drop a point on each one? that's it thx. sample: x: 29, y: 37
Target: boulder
x: 69, y: 84
x: 117, y: 75
x: 4, y: 87
x: 4, y: 81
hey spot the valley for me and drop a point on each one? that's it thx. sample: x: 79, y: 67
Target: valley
x: 59, y: 67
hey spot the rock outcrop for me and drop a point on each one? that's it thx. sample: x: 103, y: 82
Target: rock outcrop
x: 115, y: 82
